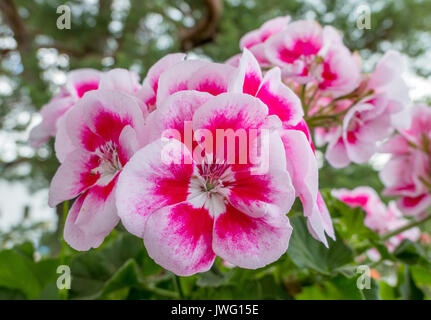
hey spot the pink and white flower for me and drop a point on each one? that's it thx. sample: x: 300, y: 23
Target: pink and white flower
x: 105, y: 128
x: 379, y: 217
x: 255, y: 39
x: 309, y: 53
x: 373, y: 118
x: 120, y: 80
x: 189, y: 207
x: 408, y: 172
x: 151, y: 81
x: 77, y: 84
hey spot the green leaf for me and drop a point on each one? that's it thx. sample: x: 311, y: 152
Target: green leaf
x: 92, y: 269
x: 373, y: 293
x: 408, y: 288
x: 16, y: 273
x: 411, y: 253
x: 421, y: 275
x: 383, y: 250
x: 306, y: 252
x: 350, y: 221
x: 46, y: 271
x: 26, y: 249
x: 338, y: 288
x: 11, y: 294
x: 212, y: 279
x: 387, y: 292
x: 125, y: 277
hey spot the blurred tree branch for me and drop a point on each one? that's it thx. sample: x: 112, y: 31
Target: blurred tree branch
x: 205, y: 29
x: 12, y: 18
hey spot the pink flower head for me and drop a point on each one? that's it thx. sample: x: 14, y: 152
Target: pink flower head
x: 395, y: 220
x: 172, y: 73
x: 356, y: 140
x: 255, y: 39
x: 77, y: 84
x: 408, y: 172
x: 105, y: 129
x: 120, y: 80
x: 367, y: 199
x: 125, y: 81
x: 299, y: 150
x: 151, y: 81
x: 386, y: 80
x: 280, y: 100
x: 309, y: 53
x: 379, y: 217
x: 373, y: 118
x: 190, y: 201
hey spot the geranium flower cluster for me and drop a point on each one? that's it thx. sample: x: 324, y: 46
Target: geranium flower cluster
x: 349, y: 111
x: 378, y: 216
x: 151, y: 155
x: 205, y: 159
x: 407, y: 175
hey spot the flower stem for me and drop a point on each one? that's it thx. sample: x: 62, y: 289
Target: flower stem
x: 302, y: 97
x: 177, y: 285
x: 162, y: 292
x: 63, y: 293
x: 404, y: 228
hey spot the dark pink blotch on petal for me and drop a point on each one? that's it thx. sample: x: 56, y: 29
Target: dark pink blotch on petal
x: 250, y: 242
x: 179, y: 238
x: 82, y: 88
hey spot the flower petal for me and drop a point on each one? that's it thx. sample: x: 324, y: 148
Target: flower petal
x: 249, y: 242
x: 336, y: 152
x: 414, y: 206
x: 154, y: 73
x: 51, y: 113
x: 158, y: 175
x: 211, y: 77
x: 301, y: 38
x: 179, y: 238
x: 91, y: 218
x: 302, y: 166
x: 73, y: 177
x: 100, y: 117
x: 319, y: 222
x: 279, y: 99
x: 176, y: 78
x: 175, y: 111
x: 256, y: 194
x: 81, y: 81
x: 248, y: 76
x: 63, y: 144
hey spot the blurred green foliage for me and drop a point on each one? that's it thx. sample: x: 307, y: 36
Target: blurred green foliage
x: 121, y: 269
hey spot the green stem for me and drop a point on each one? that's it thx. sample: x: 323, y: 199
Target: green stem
x: 178, y: 288
x: 313, y: 95
x: 63, y: 293
x: 389, y: 235
x: 406, y: 227
x: 162, y: 292
x: 302, y: 97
